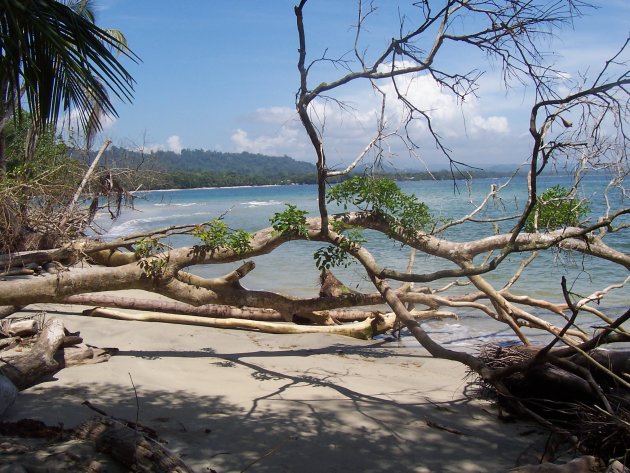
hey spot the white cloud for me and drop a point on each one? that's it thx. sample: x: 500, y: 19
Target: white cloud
x: 349, y: 128
x: 69, y: 126
x: 277, y: 115
x: 174, y: 143
x: 108, y: 122
x: 277, y: 143
x: 490, y: 124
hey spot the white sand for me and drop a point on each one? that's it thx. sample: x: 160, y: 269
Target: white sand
x: 297, y: 403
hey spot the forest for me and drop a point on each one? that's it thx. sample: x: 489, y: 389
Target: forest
x: 205, y: 168
x: 202, y: 168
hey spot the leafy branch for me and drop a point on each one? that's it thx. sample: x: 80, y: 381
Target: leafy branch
x: 291, y: 222
x: 216, y: 235
x: 404, y: 212
x: 556, y: 208
x: 153, y: 261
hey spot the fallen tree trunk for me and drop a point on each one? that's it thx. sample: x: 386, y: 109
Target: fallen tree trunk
x: 100, y: 444
x: 364, y: 330
x: 174, y: 307
x: 209, y: 310
x: 225, y: 312
x: 66, y: 254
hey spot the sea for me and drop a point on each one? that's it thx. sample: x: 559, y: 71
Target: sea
x: 291, y: 269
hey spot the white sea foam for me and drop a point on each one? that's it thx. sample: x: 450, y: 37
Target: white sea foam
x: 261, y: 203
x: 465, y: 336
x: 167, y: 204
x: 137, y: 225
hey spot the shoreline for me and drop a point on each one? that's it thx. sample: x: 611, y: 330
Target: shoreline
x: 405, y: 176
x: 214, y: 187
x: 225, y: 398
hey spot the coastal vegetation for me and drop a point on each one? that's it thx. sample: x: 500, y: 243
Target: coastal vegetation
x: 194, y: 168
x: 57, y: 67
x: 582, y: 129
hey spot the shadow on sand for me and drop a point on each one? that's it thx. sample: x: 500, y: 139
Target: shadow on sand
x: 312, y: 421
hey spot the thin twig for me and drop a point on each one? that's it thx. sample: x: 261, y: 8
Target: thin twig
x: 137, y: 401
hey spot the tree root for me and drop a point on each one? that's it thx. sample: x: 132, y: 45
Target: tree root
x: 569, y: 393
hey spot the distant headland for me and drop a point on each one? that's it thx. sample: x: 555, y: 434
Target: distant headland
x: 194, y: 168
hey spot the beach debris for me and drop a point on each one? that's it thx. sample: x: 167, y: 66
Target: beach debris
x: 46, y: 352
x: 130, y: 446
x: 583, y: 397
x: 364, y: 330
x: 103, y: 443
x: 23, y: 328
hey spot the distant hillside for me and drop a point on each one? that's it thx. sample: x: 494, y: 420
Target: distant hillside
x: 199, y: 168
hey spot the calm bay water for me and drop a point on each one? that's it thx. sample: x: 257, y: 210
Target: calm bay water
x: 290, y: 269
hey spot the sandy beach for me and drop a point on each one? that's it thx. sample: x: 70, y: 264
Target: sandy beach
x: 244, y: 401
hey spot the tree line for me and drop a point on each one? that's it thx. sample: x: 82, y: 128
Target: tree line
x: 206, y: 168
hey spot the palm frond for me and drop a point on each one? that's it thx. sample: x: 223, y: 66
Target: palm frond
x: 60, y: 61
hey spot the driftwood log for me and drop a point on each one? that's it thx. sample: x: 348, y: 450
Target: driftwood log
x: 22, y: 328
x: 101, y: 444
x: 129, y: 446
x: 26, y: 368
x: 22, y: 366
x: 363, y: 330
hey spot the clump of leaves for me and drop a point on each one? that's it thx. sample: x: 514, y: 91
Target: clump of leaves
x: 335, y: 256
x: 404, y: 212
x: 151, y: 264
x: 216, y: 234
x: 291, y: 222
x: 148, y: 247
x: 154, y: 268
x: 556, y: 208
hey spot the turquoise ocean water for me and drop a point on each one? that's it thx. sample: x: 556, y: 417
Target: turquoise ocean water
x: 290, y: 269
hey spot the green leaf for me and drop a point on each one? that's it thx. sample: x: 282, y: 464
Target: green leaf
x: 556, y: 208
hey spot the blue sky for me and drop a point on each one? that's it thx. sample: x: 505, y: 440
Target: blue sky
x: 222, y: 75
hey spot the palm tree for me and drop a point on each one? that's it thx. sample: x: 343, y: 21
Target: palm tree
x: 55, y: 58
